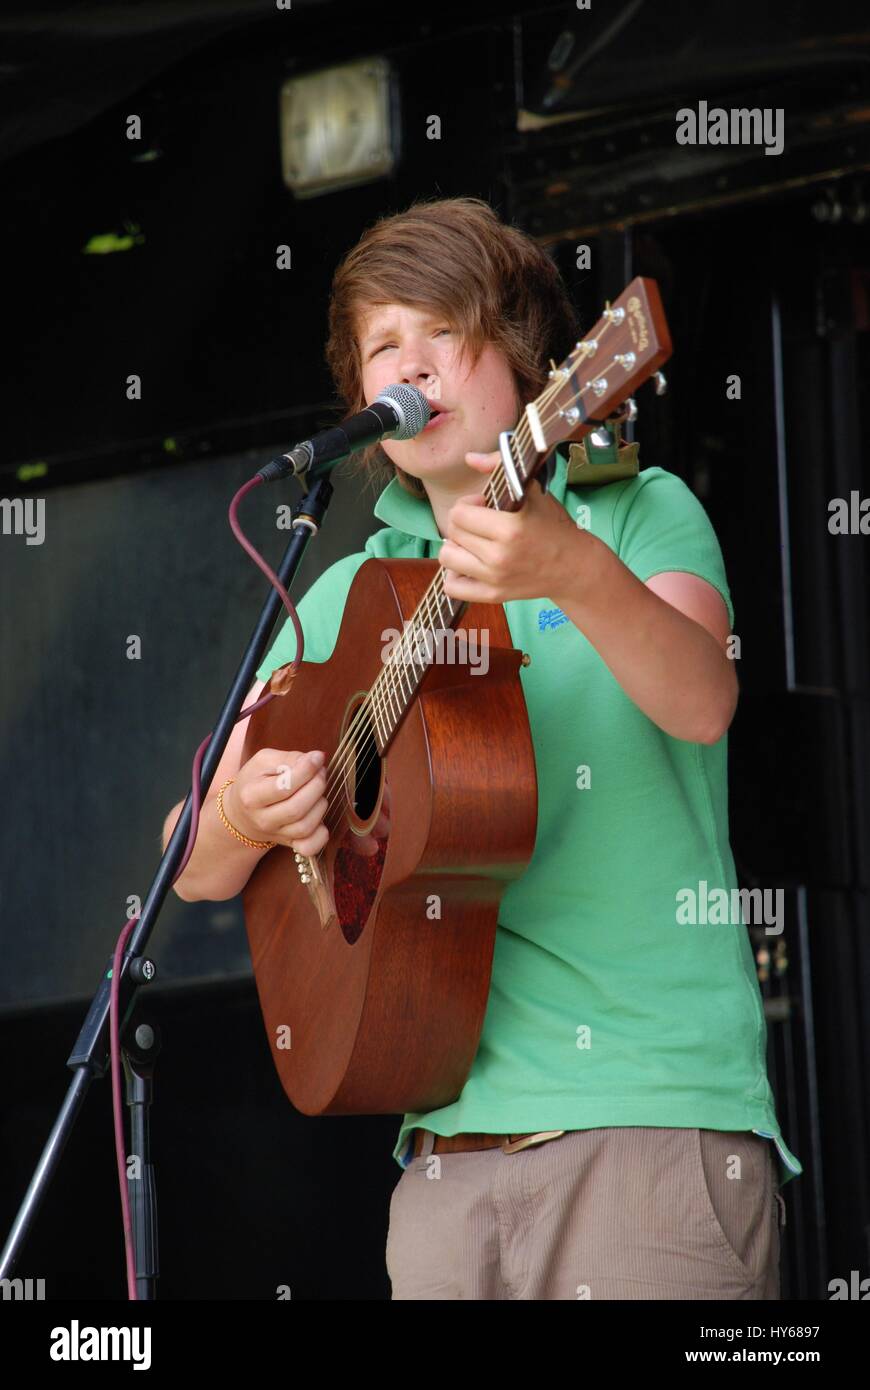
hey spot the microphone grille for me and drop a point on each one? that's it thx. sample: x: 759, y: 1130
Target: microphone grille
x: 413, y: 408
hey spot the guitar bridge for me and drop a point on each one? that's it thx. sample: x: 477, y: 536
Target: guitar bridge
x: 311, y: 873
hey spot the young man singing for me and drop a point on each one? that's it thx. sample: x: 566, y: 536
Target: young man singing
x: 614, y: 1137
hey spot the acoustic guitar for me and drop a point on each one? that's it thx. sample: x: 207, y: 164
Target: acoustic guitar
x: 372, y: 958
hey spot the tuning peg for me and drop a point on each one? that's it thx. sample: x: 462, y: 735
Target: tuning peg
x: 628, y: 415
x: 661, y: 382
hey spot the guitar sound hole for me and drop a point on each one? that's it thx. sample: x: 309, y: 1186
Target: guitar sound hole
x: 362, y: 847
x: 366, y: 777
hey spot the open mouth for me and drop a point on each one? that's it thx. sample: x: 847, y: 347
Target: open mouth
x: 435, y: 417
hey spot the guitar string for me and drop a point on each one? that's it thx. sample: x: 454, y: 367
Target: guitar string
x: 375, y: 702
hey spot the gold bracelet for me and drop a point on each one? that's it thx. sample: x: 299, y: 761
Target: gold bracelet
x: 252, y: 844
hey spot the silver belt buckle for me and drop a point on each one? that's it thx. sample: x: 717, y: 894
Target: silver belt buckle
x: 512, y: 1146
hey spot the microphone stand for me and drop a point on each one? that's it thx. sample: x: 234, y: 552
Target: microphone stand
x: 90, y: 1057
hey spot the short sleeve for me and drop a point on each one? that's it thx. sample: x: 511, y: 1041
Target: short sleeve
x: 660, y: 525
x: 320, y: 612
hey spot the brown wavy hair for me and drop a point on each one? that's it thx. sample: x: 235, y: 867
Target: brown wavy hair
x: 491, y: 282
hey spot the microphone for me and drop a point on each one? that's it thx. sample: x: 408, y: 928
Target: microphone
x: 399, y: 412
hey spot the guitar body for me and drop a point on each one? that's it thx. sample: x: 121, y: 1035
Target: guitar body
x: 374, y: 980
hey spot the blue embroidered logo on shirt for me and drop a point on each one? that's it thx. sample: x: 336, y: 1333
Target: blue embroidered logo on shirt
x: 550, y: 617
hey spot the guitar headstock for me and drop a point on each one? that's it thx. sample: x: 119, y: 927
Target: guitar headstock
x: 626, y: 347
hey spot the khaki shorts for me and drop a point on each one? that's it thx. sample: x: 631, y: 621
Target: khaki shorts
x: 615, y: 1213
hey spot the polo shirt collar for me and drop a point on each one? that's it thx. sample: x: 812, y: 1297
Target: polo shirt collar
x: 414, y: 516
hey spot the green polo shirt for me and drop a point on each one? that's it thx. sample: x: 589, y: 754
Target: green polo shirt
x: 606, y: 1007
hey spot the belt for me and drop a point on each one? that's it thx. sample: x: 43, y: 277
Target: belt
x: 464, y: 1143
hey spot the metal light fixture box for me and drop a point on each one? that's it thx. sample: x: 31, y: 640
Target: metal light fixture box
x: 337, y: 127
